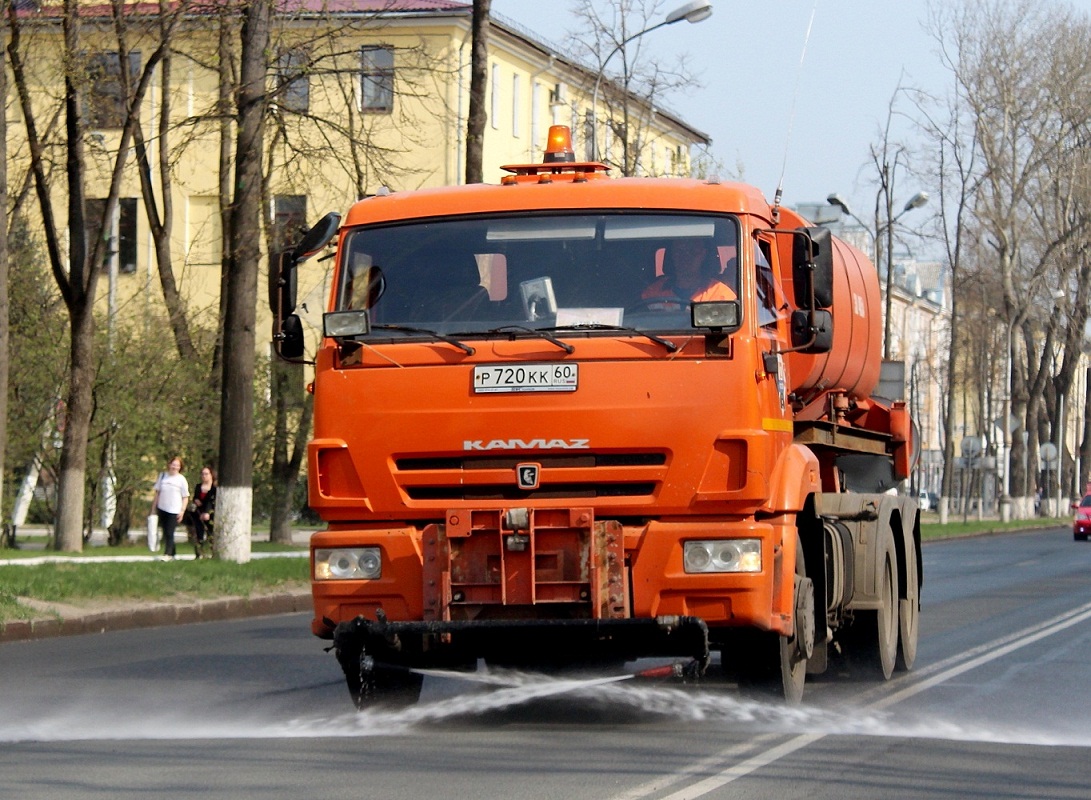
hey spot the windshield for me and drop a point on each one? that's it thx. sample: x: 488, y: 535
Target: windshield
x: 475, y: 275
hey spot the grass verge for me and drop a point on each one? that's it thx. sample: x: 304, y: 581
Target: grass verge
x: 972, y: 527
x: 151, y: 581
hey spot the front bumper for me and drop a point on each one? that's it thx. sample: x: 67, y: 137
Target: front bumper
x: 512, y: 641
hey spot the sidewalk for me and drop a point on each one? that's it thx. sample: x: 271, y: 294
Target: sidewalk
x: 61, y: 620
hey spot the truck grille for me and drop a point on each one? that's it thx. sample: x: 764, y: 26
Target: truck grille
x: 587, y: 475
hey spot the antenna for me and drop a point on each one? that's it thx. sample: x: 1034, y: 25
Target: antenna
x: 791, y: 119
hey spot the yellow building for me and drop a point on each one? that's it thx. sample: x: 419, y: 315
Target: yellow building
x: 365, y: 94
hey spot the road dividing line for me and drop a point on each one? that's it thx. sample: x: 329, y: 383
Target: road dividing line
x: 710, y: 762
x: 988, y: 652
x: 934, y: 675
x: 746, y: 767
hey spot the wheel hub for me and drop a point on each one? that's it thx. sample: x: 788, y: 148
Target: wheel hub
x: 804, y: 614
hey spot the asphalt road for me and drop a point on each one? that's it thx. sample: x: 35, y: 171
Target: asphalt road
x: 996, y: 708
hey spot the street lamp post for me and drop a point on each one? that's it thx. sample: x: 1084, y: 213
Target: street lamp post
x: 693, y: 11
x: 916, y: 201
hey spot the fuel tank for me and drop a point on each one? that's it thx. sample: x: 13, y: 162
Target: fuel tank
x: 852, y: 364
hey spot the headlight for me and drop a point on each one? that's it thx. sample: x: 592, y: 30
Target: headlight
x: 722, y: 555
x: 348, y: 564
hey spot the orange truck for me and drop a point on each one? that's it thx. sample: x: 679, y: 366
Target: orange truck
x: 573, y: 420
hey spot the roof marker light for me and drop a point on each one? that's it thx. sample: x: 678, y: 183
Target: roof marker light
x: 559, y: 145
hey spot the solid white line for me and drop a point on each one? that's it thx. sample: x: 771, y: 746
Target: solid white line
x: 995, y: 650
x: 947, y: 669
x: 709, y: 762
x: 746, y: 767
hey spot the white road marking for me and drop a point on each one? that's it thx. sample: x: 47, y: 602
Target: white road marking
x: 933, y: 676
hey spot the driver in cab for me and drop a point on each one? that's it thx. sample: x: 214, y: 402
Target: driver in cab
x: 691, y: 273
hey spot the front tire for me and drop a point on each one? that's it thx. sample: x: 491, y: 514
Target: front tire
x: 779, y: 663
x: 372, y: 686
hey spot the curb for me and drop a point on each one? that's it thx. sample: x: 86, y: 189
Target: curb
x: 157, y: 614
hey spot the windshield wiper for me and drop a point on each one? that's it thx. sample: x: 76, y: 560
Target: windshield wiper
x: 536, y: 332
x: 598, y: 326
x: 442, y: 337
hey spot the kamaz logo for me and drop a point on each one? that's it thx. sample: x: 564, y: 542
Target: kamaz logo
x: 527, y: 444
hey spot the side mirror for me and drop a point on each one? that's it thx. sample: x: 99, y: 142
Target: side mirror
x: 812, y: 331
x: 812, y: 267
x: 317, y: 237
x: 282, y: 284
x: 288, y: 342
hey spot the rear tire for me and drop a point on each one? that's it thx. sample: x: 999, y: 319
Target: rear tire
x: 874, y: 642
x: 909, y: 611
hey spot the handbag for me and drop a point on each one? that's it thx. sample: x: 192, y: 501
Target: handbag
x: 153, y: 532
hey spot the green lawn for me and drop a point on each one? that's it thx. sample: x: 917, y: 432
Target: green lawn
x: 956, y: 527
x: 75, y: 583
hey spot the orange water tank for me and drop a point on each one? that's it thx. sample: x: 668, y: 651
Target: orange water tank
x: 852, y: 364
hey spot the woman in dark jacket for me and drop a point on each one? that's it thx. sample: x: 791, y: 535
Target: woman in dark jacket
x: 203, y: 512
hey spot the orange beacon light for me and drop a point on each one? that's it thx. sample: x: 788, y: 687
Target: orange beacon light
x: 559, y: 145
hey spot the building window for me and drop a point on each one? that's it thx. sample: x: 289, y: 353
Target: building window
x: 515, y: 105
x: 494, y: 96
x: 535, y: 115
x: 122, y: 234
x: 205, y: 231
x: 289, y: 220
x: 377, y: 78
x: 105, y: 103
x: 293, y: 86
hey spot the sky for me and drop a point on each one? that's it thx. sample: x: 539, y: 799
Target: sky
x: 768, y: 113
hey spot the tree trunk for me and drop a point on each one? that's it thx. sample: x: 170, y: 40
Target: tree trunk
x: 71, y: 486
x: 5, y: 342
x: 224, y: 104
x: 235, y: 497
x: 475, y: 122
x: 118, y: 532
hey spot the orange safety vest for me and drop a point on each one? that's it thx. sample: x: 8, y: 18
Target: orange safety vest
x: 715, y: 290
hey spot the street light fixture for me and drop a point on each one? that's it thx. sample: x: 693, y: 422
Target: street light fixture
x: 916, y: 201
x: 693, y: 11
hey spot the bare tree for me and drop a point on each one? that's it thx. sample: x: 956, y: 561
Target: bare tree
x: 954, y: 174
x: 160, y: 212
x: 236, y: 492
x: 76, y: 275
x: 641, y: 83
x: 5, y: 344
x: 1020, y: 68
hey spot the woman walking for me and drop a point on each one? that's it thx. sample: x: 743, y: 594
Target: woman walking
x: 202, y: 512
x: 169, y: 502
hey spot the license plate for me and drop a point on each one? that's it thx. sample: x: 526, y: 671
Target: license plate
x: 526, y: 378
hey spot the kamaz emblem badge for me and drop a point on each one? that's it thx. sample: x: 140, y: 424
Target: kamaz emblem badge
x: 528, y: 475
